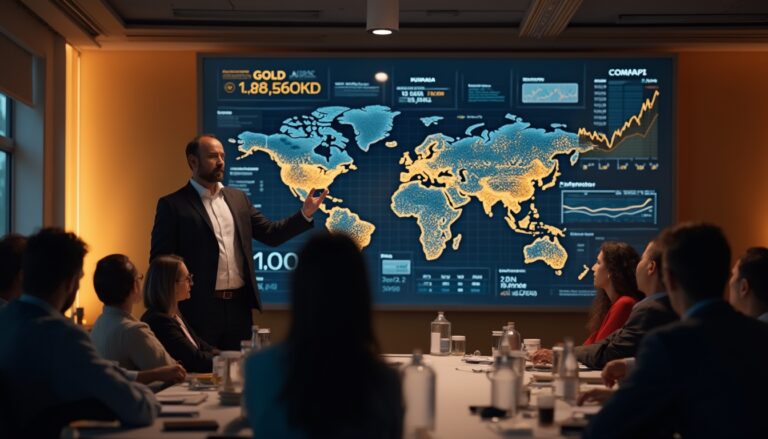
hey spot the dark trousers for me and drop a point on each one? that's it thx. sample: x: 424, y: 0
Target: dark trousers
x: 223, y: 323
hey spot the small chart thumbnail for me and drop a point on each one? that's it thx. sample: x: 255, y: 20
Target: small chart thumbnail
x: 609, y: 206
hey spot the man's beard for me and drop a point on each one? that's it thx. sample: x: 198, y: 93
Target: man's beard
x: 215, y: 176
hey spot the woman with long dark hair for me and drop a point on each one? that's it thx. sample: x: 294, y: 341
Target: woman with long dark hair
x: 617, y: 293
x: 326, y: 380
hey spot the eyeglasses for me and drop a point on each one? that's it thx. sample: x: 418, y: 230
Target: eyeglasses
x: 188, y: 278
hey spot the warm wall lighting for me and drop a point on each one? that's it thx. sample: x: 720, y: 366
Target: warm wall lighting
x: 382, y: 16
x: 72, y: 146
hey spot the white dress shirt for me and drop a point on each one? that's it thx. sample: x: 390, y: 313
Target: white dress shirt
x: 229, y: 275
x: 185, y: 330
x: 118, y: 336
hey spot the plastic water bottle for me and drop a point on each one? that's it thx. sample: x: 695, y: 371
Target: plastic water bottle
x: 255, y: 341
x: 557, y: 359
x: 511, y: 340
x: 504, y: 384
x: 440, y: 336
x: 567, y: 380
x: 419, y: 397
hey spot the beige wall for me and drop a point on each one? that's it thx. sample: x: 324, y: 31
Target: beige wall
x: 139, y: 109
x: 723, y: 143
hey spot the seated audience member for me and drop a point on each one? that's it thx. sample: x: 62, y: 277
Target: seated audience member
x: 748, y: 293
x: 326, y: 380
x: 117, y: 335
x: 651, y: 312
x: 614, y: 278
x: 683, y: 379
x: 49, y: 371
x: 11, y: 251
x: 169, y: 282
x: 748, y: 286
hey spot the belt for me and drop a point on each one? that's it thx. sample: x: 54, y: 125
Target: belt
x: 225, y: 294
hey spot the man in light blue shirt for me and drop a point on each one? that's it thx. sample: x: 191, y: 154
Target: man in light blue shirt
x: 748, y: 286
x: 49, y: 370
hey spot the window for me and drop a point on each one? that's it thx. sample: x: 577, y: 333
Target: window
x: 6, y: 149
x: 3, y: 115
x: 5, y: 204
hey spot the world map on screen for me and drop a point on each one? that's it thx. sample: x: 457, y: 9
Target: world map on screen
x: 507, y: 165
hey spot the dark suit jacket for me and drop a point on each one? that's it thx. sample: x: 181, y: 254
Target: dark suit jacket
x: 182, y: 227
x: 170, y: 334
x: 704, y: 377
x: 50, y: 371
x: 623, y: 343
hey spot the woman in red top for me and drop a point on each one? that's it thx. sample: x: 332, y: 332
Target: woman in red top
x: 617, y: 290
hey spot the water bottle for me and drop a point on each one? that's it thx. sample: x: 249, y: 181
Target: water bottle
x: 511, y: 340
x: 517, y: 361
x: 440, y: 336
x: 504, y: 384
x: 557, y: 359
x: 419, y: 397
x: 567, y: 380
x: 255, y: 341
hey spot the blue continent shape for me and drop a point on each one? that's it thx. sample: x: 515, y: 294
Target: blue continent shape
x: 500, y: 155
x: 433, y: 213
x: 328, y: 114
x: 371, y: 124
x: 307, y: 137
x: 431, y: 120
x: 297, y: 150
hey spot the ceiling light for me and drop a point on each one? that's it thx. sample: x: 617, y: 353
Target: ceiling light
x: 383, y: 16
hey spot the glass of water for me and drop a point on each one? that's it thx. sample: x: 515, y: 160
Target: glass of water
x: 459, y: 345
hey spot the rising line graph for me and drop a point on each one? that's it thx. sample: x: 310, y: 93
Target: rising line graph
x: 634, y: 121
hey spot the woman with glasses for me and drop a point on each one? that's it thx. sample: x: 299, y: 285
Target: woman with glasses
x: 168, y: 282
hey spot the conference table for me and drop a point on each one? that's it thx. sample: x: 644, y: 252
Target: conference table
x: 459, y: 385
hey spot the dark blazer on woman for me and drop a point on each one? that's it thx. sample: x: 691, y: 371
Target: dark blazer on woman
x: 170, y: 334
